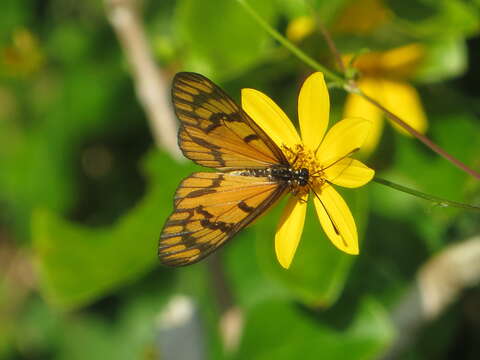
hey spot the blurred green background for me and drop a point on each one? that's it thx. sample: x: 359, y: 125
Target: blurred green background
x: 84, y: 190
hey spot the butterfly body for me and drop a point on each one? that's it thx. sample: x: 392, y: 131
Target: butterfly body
x: 281, y: 174
x: 252, y: 172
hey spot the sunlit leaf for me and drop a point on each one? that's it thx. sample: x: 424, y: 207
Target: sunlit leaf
x: 281, y: 330
x: 217, y: 36
x: 78, y: 264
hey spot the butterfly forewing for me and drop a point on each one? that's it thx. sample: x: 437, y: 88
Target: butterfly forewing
x: 209, y: 209
x: 215, y: 132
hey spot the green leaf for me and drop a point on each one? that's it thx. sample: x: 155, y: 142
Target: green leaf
x: 249, y: 281
x: 445, y: 58
x: 438, y: 18
x: 220, y: 39
x: 279, y: 330
x: 77, y: 264
x: 53, y: 115
x: 15, y: 14
x: 42, y: 330
x: 326, y: 10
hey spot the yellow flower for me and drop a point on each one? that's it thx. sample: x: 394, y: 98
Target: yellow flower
x: 382, y: 78
x: 299, y: 28
x: 325, y: 156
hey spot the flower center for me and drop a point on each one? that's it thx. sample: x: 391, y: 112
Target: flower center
x: 300, y: 158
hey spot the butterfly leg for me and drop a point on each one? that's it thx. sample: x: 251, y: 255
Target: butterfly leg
x: 298, y: 192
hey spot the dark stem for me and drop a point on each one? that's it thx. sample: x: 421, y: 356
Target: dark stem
x: 329, y: 40
x: 220, y: 283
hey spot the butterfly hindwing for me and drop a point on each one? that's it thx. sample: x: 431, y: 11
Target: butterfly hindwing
x: 209, y: 208
x: 215, y: 132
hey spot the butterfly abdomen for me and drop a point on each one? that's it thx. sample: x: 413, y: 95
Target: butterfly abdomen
x: 281, y: 174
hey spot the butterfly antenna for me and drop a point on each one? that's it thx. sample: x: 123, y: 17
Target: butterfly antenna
x: 337, y: 161
x: 343, y: 157
x: 318, y: 147
x: 326, y: 211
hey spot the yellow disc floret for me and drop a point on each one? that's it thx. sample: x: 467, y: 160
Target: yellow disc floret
x: 299, y: 158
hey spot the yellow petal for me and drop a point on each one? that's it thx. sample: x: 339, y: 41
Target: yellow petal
x: 402, y: 99
x: 344, y: 137
x: 269, y: 117
x: 403, y: 61
x: 349, y: 173
x: 290, y: 229
x: 373, y: 137
x: 356, y: 106
x: 396, y: 63
x: 313, y: 110
x: 332, y: 209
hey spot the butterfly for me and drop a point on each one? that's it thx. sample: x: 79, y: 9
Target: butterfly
x: 251, y: 172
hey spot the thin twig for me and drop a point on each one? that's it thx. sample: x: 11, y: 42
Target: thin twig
x: 328, y: 38
x: 436, y: 199
x: 331, y: 46
x: 150, y: 83
x: 231, y: 316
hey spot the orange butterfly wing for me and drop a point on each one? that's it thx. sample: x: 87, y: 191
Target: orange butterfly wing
x: 209, y: 209
x: 215, y: 132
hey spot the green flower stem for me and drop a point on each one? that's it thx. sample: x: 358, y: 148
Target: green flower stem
x: 439, y: 201
x: 351, y: 87
x: 295, y: 50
